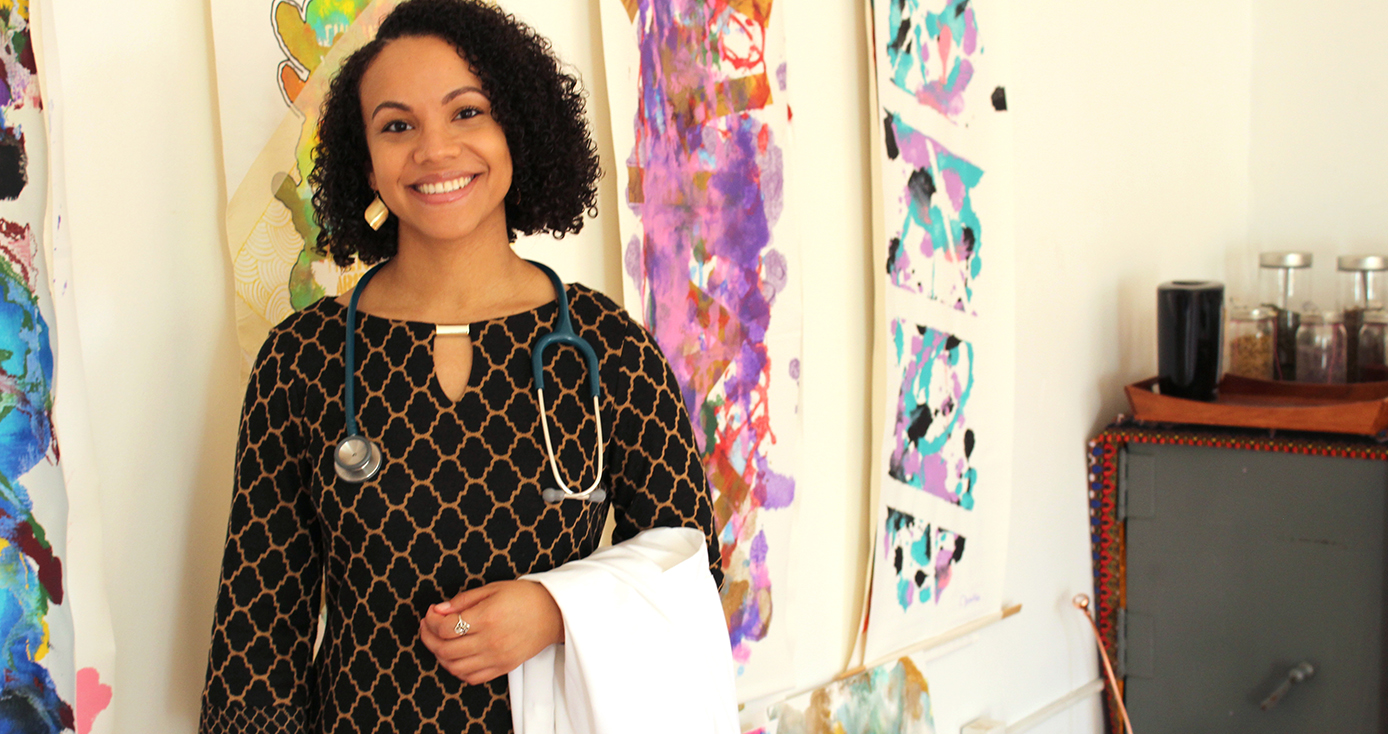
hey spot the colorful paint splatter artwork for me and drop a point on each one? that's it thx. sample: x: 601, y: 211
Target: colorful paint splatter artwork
x: 935, y: 250
x: 922, y: 557
x: 31, y: 570
x: 19, y: 88
x: 932, y: 445
x: 31, y: 574
x: 894, y: 698
x: 704, y: 179
x: 931, y: 53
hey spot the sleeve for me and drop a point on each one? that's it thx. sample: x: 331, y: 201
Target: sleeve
x: 656, y: 470
x: 258, y: 671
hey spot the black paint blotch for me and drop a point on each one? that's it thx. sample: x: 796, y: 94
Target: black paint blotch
x: 922, y: 187
x: 898, y: 560
x: 892, y: 150
x: 969, y: 240
x: 960, y: 8
x: 903, y: 32
x: 920, y: 425
x: 952, y: 343
x: 13, y: 176
x: 1000, y: 99
x: 968, y: 443
x: 958, y: 548
x: 893, y: 250
x: 920, y: 577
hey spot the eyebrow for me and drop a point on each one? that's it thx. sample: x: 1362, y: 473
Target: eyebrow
x: 446, y: 99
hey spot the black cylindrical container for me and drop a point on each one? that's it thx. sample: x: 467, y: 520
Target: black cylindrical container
x: 1189, y: 333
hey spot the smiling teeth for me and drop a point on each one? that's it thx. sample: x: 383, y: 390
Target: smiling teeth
x: 445, y: 186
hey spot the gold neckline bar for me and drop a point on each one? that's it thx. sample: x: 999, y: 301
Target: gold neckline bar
x: 452, y: 329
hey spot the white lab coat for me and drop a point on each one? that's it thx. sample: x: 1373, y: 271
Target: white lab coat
x: 646, y: 646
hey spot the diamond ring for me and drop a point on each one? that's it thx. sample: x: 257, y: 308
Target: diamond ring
x: 461, y: 628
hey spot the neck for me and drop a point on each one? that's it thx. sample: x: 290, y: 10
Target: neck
x: 455, y: 282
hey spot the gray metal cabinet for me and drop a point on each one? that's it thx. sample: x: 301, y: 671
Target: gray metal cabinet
x: 1240, y: 565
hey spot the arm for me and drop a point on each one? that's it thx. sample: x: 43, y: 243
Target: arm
x: 657, y: 472
x: 262, y: 636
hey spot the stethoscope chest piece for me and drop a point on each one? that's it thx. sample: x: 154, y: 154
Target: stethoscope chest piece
x: 357, y: 458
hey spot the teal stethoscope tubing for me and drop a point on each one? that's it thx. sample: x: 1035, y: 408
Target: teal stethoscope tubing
x: 357, y: 458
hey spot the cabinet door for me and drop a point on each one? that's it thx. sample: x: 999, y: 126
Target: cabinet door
x: 1240, y: 566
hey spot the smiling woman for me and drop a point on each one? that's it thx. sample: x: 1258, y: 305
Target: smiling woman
x: 441, y: 139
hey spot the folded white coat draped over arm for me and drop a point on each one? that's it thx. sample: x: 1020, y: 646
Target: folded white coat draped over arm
x: 646, y: 645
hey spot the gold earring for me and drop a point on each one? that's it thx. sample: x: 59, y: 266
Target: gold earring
x: 376, y: 213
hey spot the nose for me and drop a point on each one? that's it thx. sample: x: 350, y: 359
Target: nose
x: 436, y: 143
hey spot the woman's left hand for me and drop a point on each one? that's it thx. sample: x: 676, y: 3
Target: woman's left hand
x: 510, y: 622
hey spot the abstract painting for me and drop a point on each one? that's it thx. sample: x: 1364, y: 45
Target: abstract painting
x: 892, y: 698
x: 945, y: 342
x: 930, y: 54
x: 935, y: 249
x: 697, y: 89
x: 36, y: 634
x: 932, y: 444
x: 921, y: 556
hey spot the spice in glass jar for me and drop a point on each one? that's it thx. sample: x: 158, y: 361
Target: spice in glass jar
x: 1250, y: 342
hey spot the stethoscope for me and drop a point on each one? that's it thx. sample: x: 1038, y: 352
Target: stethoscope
x: 358, y: 458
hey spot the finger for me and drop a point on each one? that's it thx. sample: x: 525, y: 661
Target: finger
x: 449, y: 647
x: 464, y: 600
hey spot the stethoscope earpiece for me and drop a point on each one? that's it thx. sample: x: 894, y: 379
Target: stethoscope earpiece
x: 554, y: 496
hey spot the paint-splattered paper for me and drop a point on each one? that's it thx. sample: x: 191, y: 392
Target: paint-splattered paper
x: 701, y: 128
x: 944, y: 365
x: 890, y: 699
x: 37, y: 662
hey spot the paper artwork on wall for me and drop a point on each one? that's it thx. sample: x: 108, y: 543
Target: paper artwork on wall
x: 936, y: 247
x: 932, y: 443
x: 894, y: 697
x: 944, y: 370
x: 701, y: 125
x: 931, y: 50
x: 922, y: 558
x: 37, y: 665
x: 271, y: 81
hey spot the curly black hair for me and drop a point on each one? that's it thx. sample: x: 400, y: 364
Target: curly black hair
x: 538, y: 105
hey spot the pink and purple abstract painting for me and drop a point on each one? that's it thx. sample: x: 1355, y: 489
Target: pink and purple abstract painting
x: 704, y: 180
x: 932, y: 445
x: 935, y: 248
x: 931, y: 53
x: 921, y: 555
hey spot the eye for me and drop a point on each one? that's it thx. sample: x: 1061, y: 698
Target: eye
x: 467, y: 113
x: 395, y: 126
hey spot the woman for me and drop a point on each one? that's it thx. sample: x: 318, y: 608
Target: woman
x: 458, y: 128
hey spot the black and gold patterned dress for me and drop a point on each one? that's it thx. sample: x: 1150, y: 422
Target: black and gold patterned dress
x: 457, y: 504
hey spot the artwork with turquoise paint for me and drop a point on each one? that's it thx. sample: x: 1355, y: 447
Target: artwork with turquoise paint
x: 945, y: 340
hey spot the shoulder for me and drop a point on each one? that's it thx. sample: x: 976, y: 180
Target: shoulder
x: 595, y: 311
x: 315, y: 329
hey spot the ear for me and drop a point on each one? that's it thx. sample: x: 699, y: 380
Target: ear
x: 371, y: 180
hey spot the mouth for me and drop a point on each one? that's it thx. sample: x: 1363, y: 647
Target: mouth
x: 443, y: 187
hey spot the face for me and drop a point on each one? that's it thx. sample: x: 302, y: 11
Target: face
x: 438, y: 158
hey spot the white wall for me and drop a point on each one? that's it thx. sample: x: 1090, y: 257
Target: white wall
x: 1133, y: 166
x: 1319, y: 151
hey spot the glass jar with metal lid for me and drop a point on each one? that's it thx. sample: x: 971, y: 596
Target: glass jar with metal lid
x: 1284, y: 280
x: 1250, y: 338
x: 1373, y: 347
x: 1320, y: 346
x: 1361, y: 280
